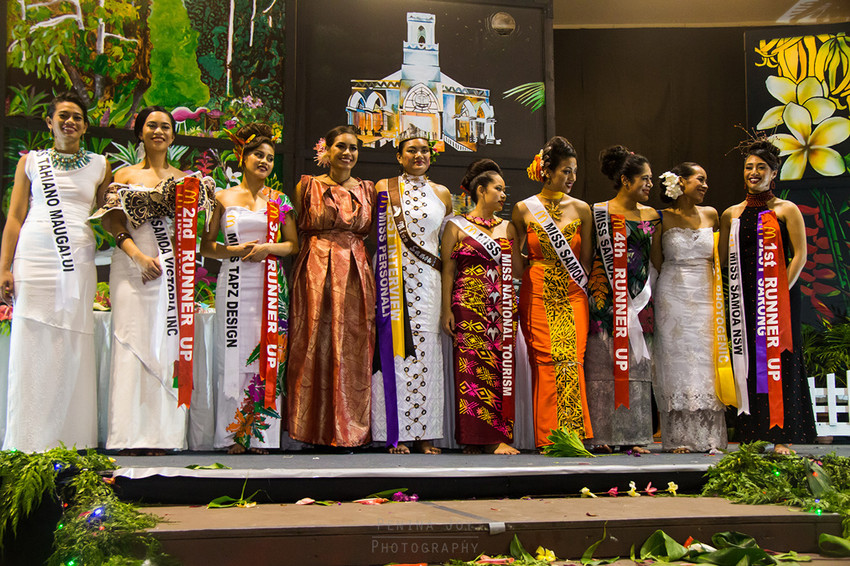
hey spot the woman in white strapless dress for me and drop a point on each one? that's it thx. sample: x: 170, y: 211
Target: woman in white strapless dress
x: 243, y: 423
x: 692, y: 417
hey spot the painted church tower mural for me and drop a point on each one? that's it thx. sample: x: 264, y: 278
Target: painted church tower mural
x: 420, y: 99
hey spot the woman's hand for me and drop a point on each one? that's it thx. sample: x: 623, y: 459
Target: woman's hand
x: 447, y: 323
x: 149, y: 266
x: 258, y: 253
x: 241, y: 250
x: 7, y: 286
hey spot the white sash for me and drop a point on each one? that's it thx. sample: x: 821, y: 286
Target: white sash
x: 234, y: 361
x: 737, y: 322
x: 67, y: 285
x: 604, y: 242
x: 166, y: 327
x: 559, y: 242
x: 492, y: 246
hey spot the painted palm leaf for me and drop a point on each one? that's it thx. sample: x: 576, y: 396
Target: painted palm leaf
x: 528, y: 94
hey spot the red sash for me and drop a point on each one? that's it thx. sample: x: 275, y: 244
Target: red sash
x: 777, y: 314
x: 186, y: 230
x: 620, y: 291
x: 268, y: 336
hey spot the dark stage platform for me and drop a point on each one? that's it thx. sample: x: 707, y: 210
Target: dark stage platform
x: 286, y: 478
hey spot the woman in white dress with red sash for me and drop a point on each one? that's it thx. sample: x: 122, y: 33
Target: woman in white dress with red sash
x: 144, y: 417
x: 258, y: 227
x: 52, y: 382
x: 413, y: 209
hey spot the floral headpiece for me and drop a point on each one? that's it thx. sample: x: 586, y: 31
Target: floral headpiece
x: 322, y: 158
x: 535, y: 169
x: 672, y: 188
x: 239, y: 144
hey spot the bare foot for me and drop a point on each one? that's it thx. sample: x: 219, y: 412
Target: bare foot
x: 601, y: 449
x: 425, y: 447
x: 500, y: 448
x: 472, y: 449
x: 782, y: 449
x: 259, y: 451
x: 640, y: 450
x: 680, y: 450
x: 399, y: 449
x: 130, y: 452
x: 236, y: 449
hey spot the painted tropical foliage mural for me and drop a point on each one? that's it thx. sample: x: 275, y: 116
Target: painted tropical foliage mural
x: 214, y: 63
x: 799, y: 94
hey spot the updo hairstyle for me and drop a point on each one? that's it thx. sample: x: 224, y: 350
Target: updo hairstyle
x: 683, y: 170
x: 617, y: 161
x: 555, y: 152
x: 764, y: 150
x: 339, y: 131
x: 479, y: 173
x: 142, y: 117
x: 262, y: 133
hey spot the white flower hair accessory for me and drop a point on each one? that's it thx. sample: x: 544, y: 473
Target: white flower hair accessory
x: 672, y: 188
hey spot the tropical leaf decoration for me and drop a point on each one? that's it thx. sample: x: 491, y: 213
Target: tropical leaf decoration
x: 124, y: 155
x: 528, y: 94
x: 27, y: 101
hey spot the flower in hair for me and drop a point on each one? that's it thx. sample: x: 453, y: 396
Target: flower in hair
x: 672, y: 188
x: 535, y: 169
x: 239, y: 144
x: 322, y: 158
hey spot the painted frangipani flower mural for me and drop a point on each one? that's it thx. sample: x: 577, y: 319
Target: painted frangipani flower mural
x: 808, y: 145
x: 801, y: 91
x: 812, y: 84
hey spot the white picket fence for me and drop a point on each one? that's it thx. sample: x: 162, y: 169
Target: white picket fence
x: 829, y: 402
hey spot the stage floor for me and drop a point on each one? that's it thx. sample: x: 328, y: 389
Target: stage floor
x: 287, y: 477
x: 436, y: 531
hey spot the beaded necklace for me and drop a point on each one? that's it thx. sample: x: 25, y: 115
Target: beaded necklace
x: 759, y: 199
x: 485, y: 222
x: 69, y: 161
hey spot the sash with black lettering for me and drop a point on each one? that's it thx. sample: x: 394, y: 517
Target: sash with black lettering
x: 737, y: 322
x: 67, y: 287
x: 235, y: 353
x: 384, y: 315
x: 166, y: 326
x: 773, y: 330
x: 724, y: 379
x: 559, y: 242
x: 268, y: 335
x: 394, y: 189
x: 501, y: 254
x: 611, y: 239
x: 186, y: 228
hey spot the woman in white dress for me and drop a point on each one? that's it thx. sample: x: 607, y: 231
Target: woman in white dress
x: 414, y: 245
x: 243, y: 422
x: 143, y: 414
x: 52, y: 384
x: 692, y: 417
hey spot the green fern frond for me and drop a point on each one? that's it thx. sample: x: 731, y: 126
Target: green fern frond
x: 528, y: 94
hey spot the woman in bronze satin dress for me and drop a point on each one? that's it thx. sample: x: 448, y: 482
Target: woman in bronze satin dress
x: 332, y: 318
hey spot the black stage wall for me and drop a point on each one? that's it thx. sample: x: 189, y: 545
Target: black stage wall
x: 671, y: 94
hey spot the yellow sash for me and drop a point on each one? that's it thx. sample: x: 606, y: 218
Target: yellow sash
x: 394, y: 249
x: 724, y: 382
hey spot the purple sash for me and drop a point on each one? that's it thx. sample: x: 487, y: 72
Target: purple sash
x: 761, y: 334
x: 384, y: 323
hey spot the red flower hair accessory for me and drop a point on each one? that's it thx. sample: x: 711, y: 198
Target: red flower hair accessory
x: 322, y: 158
